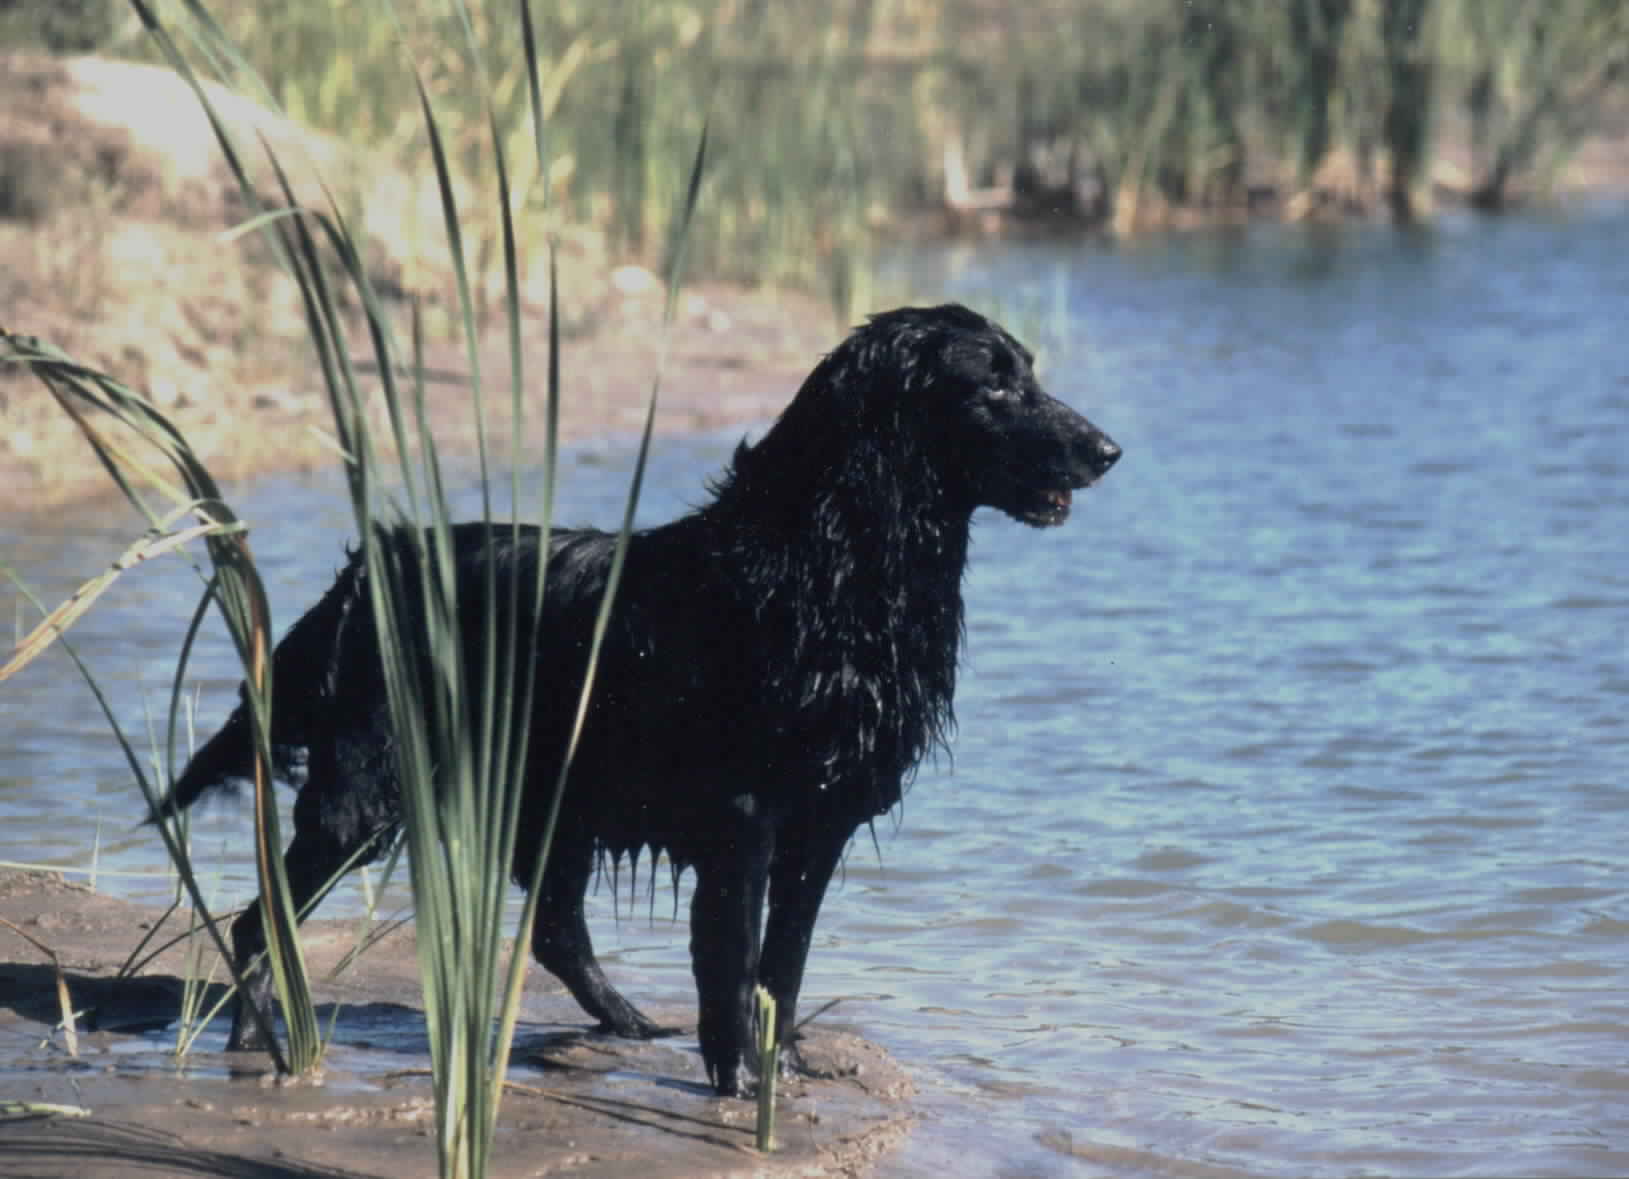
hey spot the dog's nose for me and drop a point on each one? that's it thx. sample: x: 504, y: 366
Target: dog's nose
x: 1106, y: 453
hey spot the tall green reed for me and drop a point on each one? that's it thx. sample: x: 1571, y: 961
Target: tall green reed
x: 459, y: 704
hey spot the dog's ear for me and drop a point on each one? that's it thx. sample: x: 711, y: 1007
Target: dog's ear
x: 901, y: 351
x: 866, y: 372
x: 951, y: 352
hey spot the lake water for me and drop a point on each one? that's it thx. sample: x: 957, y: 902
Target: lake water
x: 1286, y: 827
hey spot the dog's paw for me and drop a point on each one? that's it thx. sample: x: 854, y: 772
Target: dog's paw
x: 636, y: 1028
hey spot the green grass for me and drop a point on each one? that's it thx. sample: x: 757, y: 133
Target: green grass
x: 834, y: 122
x: 837, y: 117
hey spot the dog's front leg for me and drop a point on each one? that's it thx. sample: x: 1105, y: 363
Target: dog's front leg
x: 803, y: 867
x: 726, y: 915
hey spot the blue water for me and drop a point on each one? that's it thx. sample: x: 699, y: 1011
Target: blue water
x: 1285, y: 829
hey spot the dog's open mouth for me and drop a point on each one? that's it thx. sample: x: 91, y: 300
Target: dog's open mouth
x: 1047, y: 508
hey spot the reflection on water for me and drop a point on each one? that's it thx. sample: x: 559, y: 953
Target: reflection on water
x: 1284, y: 829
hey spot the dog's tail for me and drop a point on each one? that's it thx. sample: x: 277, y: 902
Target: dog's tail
x: 225, y: 760
x: 304, y: 670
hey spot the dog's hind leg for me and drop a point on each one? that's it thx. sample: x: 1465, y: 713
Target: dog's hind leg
x: 561, y: 942
x: 311, y: 862
x: 332, y: 835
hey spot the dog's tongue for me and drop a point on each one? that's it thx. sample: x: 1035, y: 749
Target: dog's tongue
x: 1062, y: 498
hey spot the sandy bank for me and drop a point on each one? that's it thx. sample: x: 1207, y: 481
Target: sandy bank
x: 583, y: 1104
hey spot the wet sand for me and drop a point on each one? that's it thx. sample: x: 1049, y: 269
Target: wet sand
x: 580, y: 1103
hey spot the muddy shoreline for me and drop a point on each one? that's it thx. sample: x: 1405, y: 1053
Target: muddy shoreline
x: 734, y: 357
x: 580, y: 1103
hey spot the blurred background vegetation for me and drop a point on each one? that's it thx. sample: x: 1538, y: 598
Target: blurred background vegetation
x: 838, y: 118
x: 834, y: 119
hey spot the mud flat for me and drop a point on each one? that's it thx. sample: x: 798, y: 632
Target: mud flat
x: 580, y: 1104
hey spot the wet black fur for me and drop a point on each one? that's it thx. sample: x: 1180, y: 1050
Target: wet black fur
x: 778, y: 663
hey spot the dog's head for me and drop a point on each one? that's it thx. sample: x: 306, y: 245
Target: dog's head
x: 1000, y: 439
x: 937, y: 404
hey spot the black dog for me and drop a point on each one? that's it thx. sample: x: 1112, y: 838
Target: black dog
x: 778, y: 662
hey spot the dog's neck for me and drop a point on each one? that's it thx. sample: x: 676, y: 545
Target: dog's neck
x: 873, y: 551
x: 868, y: 502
